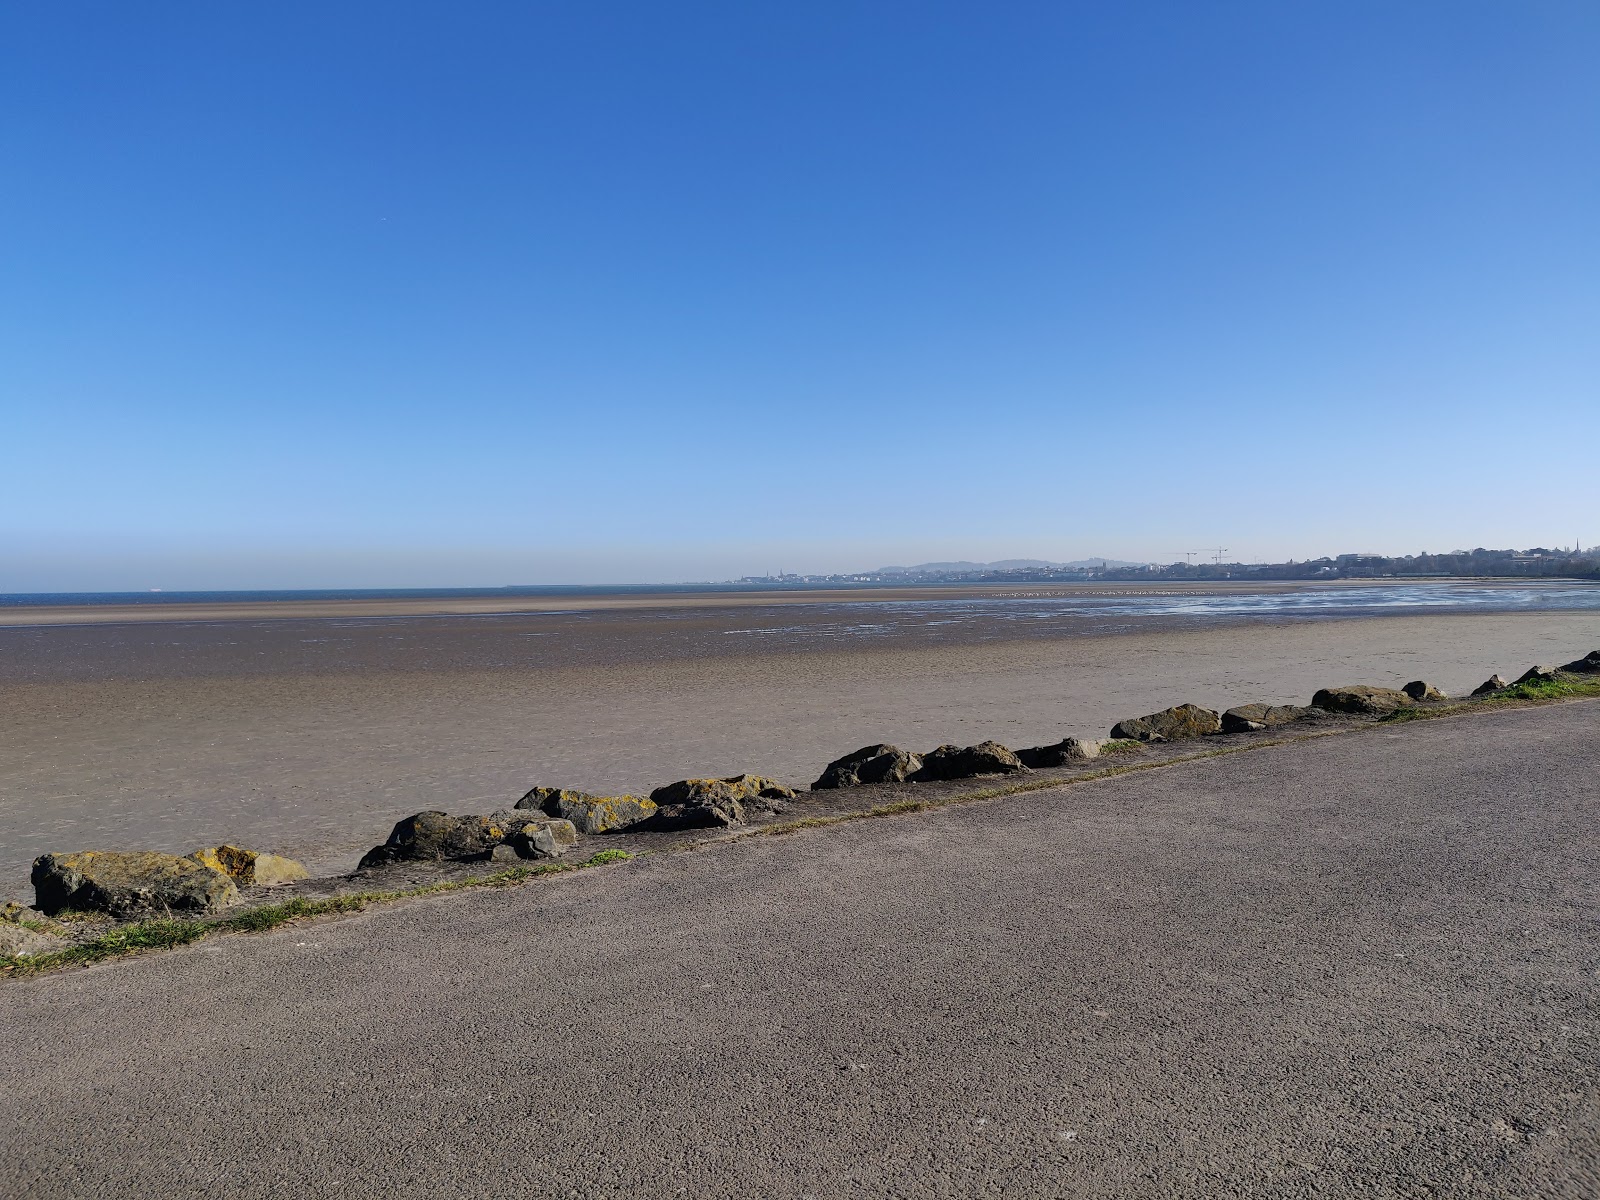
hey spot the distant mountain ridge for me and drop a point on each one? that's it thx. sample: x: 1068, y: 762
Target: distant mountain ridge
x: 1005, y: 564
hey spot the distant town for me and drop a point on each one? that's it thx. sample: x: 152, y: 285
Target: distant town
x: 1537, y: 563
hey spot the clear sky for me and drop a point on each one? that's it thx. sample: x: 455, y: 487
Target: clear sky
x: 400, y: 294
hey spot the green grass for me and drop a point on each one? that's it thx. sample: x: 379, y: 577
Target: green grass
x: 166, y: 934
x: 1534, y: 691
x: 1121, y: 746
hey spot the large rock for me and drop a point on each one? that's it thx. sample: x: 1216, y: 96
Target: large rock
x: 1492, y: 684
x: 250, y: 868
x: 870, y: 764
x: 1420, y: 690
x: 548, y: 838
x: 1537, y: 675
x: 710, y: 803
x: 1589, y: 664
x: 435, y: 836
x: 129, y: 884
x: 1249, y: 718
x: 590, y: 814
x: 964, y: 762
x: 19, y: 942
x: 1170, y: 724
x: 1358, y: 698
x: 1064, y: 753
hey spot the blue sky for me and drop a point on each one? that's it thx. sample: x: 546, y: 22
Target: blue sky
x: 433, y: 294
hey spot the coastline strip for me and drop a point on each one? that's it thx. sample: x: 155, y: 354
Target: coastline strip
x: 147, y: 936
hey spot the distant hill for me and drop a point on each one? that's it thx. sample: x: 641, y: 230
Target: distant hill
x: 1004, y: 564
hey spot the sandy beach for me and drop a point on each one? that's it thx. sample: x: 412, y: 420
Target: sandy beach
x: 282, y: 736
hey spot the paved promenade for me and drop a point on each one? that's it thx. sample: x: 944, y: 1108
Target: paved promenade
x: 1358, y: 966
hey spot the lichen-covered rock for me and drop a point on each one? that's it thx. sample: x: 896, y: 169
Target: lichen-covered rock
x: 1249, y: 718
x: 710, y: 803
x: 129, y: 884
x: 538, y: 797
x: 1359, y: 698
x: 1537, y: 675
x: 879, y: 763
x: 1589, y: 664
x: 1060, y: 754
x: 1492, y: 684
x: 591, y: 814
x: 250, y: 868
x: 435, y: 836
x: 1170, y: 724
x: 1420, y: 690
x: 964, y: 762
x: 548, y: 838
x: 19, y: 942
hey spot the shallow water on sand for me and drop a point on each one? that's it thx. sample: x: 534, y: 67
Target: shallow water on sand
x: 579, y: 637
x: 1198, y: 607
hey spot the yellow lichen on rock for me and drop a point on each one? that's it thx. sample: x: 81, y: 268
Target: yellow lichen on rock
x: 250, y: 868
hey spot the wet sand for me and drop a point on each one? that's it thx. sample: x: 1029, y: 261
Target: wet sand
x: 157, y: 609
x: 264, y: 735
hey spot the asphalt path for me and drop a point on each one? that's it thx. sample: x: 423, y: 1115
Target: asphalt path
x: 1364, y: 965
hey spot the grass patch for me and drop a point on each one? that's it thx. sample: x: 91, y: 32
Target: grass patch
x: 165, y: 934
x: 1120, y: 746
x: 130, y: 939
x: 1534, y: 691
x: 1562, y: 687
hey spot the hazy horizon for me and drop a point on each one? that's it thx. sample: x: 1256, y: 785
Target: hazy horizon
x: 377, y: 572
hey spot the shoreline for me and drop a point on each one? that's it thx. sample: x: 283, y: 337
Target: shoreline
x: 52, y: 615
x: 307, y: 764
x: 262, y: 910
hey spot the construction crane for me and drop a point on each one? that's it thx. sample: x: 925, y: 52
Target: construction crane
x: 1218, y: 551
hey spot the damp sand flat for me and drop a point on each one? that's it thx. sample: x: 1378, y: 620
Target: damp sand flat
x: 311, y: 737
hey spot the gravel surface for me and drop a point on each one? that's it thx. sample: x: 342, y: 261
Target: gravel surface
x: 1357, y: 966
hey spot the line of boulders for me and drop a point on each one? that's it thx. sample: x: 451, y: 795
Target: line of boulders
x: 546, y: 822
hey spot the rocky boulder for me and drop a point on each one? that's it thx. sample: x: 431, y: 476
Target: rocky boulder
x: 129, y: 884
x: 590, y: 814
x: 1249, y: 718
x: 16, y: 941
x: 1358, y: 698
x: 870, y: 764
x: 1492, y: 684
x: 1064, y: 753
x: 709, y: 803
x: 964, y: 762
x: 435, y: 836
x: 1537, y: 675
x: 548, y: 838
x: 1170, y: 724
x: 250, y: 868
x: 1589, y: 664
x: 1420, y: 690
